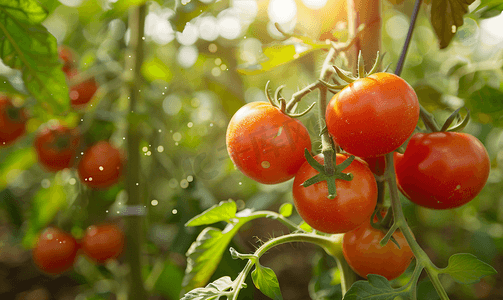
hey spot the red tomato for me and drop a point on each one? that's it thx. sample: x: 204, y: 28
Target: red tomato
x: 442, y: 170
x: 353, y: 205
x: 55, y: 251
x: 374, y: 115
x: 376, y: 164
x: 82, y: 93
x: 100, y: 166
x: 266, y: 144
x: 365, y: 255
x: 68, y: 58
x: 12, y: 121
x: 103, y: 242
x: 56, y: 146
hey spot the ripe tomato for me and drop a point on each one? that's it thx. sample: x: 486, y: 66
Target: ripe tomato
x: 56, y: 146
x: 365, y: 255
x: 12, y: 121
x: 81, y: 93
x: 103, y: 242
x: 66, y: 55
x: 374, y: 115
x: 353, y: 205
x: 55, y: 251
x: 266, y: 144
x: 100, y: 166
x: 442, y: 170
x: 376, y: 164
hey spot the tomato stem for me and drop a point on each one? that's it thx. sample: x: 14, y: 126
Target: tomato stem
x: 400, y: 221
x: 134, y: 233
x: 401, y: 60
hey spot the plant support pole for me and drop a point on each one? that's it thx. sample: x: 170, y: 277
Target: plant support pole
x: 134, y: 232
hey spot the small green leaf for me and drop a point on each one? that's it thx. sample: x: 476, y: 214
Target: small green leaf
x: 489, y: 8
x: 376, y: 288
x: 266, y: 281
x: 447, y: 17
x: 306, y: 227
x: 286, y: 209
x: 223, y: 211
x: 466, y: 268
x: 212, y: 291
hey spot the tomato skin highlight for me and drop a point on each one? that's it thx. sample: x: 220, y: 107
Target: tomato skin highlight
x: 55, y: 251
x: 103, y: 242
x: 56, y: 146
x: 12, y: 121
x: 364, y: 254
x: 266, y: 144
x: 442, y: 170
x: 353, y: 205
x: 374, y: 115
x: 100, y: 166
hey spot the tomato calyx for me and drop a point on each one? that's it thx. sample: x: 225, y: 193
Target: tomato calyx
x: 383, y: 220
x: 280, y: 102
x: 460, y: 124
x: 324, y: 176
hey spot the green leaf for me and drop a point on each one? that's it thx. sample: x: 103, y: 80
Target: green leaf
x: 16, y: 162
x: 6, y: 86
x: 376, y: 288
x: 304, y: 226
x: 12, y: 205
x: 214, y: 290
x: 28, y: 46
x: 447, y: 17
x: 223, y: 211
x: 286, y: 209
x: 204, y: 255
x: 266, y: 281
x: 184, y: 13
x: 489, y: 8
x: 170, y: 280
x: 486, y: 105
x: 466, y: 268
x: 278, y: 54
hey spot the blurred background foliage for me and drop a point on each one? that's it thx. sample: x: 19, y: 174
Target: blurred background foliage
x: 202, y: 63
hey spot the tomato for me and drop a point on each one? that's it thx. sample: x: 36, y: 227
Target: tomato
x: 353, y: 205
x: 376, y: 164
x: 364, y: 254
x: 100, y: 166
x: 81, y: 93
x: 266, y: 144
x: 12, y: 121
x: 374, y: 115
x: 442, y: 170
x: 56, y: 146
x: 68, y: 58
x: 55, y: 251
x: 103, y: 242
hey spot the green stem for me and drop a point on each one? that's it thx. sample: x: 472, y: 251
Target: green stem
x: 134, y: 233
x: 276, y: 216
x: 428, y: 120
x: 421, y: 256
x: 296, y: 97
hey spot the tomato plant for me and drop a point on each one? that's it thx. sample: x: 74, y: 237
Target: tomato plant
x: 68, y: 58
x: 374, y: 115
x: 56, y: 146
x: 55, y: 251
x: 82, y: 92
x: 353, y: 205
x: 101, y: 166
x: 442, y: 170
x: 12, y: 121
x: 103, y: 242
x: 364, y: 254
x: 266, y: 144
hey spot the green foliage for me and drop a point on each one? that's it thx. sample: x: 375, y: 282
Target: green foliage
x: 447, y: 17
x: 286, y: 209
x: 467, y: 269
x: 266, y: 281
x: 214, y: 290
x: 223, y: 211
x: 376, y: 288
x: 489, y: 8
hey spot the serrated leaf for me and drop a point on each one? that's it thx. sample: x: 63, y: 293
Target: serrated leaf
x: 466, y: 268
x: 278, y: 54
x: 223, y: 211
x: 447, y: 17
x: 266, y: 281
x: 28, y: 46
x: 376, y: 288
x: 286, y: 209
x: 214, y: 290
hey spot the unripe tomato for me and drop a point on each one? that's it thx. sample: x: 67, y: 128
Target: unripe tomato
x: 103, y: 242
x: 442, y: 170
x: 55, y: 251
x: 354, y: 204
x: 365, y: 255
x: 100, y: 166
x: 81, y: 93
x: 12, y: 121
x: 266, y: 144
x: 56, y: 146
x: 374, y: 115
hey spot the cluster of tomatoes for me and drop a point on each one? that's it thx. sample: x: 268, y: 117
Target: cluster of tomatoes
x: 56, y: 250
x: 370, y: 117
